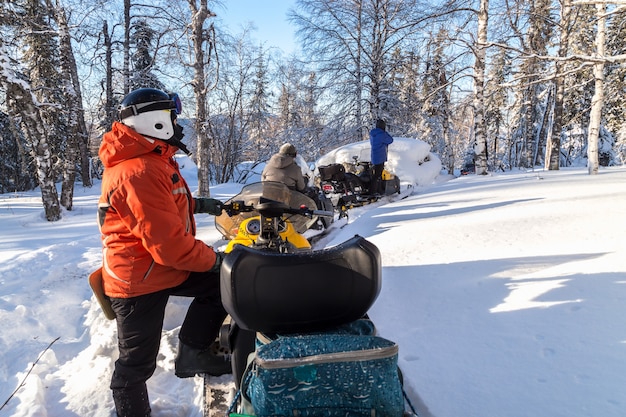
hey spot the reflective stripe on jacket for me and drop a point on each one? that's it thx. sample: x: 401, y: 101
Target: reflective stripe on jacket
x: 145, y: 215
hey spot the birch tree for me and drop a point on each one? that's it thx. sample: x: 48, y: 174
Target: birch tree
x: 110, y: 108
x: 595, y: 116
x: 553, y: 148
x: 76, y: 153
x: 351, y: 43
x: 126, y: 47
x: 230, y: 102
x: 202, y: 37
x: 33, y: 97
x: 332, y: 34
x: 480, y: 53
x: 24, y: 107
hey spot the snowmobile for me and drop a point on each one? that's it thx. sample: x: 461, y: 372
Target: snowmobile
x: 298, y: 317
x: 265, y: 216
x: 269, y: 215
x: 349, y: 185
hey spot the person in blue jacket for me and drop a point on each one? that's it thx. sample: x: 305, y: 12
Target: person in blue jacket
x: 379, y: 141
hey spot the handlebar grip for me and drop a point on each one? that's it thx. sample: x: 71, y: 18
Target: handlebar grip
x: 236, y: 207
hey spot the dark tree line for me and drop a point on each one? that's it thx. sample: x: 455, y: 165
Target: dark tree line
x: 496, y: 84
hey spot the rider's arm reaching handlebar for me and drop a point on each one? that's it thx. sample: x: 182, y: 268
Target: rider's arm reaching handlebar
x: 208, y: 205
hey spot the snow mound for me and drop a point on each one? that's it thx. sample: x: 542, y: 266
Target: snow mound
x: 410, y: 159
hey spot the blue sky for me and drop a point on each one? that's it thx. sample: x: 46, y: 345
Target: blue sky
x: 268, y: 16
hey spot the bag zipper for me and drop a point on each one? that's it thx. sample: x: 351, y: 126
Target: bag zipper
x: 351, y: 356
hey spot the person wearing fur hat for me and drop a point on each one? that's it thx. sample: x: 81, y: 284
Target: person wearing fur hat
x: 282, y: 167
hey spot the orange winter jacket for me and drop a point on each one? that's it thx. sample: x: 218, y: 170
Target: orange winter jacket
x: 145, y: 215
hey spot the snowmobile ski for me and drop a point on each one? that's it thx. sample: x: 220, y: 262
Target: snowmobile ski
x: 217, y: 395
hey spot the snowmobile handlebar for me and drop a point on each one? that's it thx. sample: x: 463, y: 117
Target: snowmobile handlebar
x: 237, y: 206
x: 271, y: 208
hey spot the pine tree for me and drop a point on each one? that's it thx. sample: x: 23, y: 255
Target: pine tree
x: 534, y: 105
x: 579, y: 91
x: 496, y: 104
x: 16, y: 168
x: 406, y: 76
x: 615, y: 100
x: 142, y: 39
x: 436, y: 105
x: 311, y: 121
x: 259, y: 110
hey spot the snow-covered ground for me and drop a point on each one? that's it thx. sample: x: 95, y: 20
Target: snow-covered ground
x: 506, y: 294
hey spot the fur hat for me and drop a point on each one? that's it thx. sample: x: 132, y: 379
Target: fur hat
x: 288, y: 149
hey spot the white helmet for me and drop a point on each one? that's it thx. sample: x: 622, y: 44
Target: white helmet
x: 150, y: 112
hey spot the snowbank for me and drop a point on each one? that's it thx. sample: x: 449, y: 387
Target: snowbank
x: 410, y: 159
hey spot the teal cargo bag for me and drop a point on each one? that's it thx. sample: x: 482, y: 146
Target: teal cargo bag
x: 331, y: 375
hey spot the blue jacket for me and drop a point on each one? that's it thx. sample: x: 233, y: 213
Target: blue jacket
x: 379, y: 140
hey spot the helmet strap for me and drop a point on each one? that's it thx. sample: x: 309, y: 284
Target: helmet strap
x: 177, y: 138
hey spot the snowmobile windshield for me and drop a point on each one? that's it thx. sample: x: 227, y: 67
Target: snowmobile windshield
x: 252, y: 193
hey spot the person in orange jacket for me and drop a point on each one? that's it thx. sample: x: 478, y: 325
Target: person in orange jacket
x: 145, y: 216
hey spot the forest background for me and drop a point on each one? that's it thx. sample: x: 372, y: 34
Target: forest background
x: 491, y: 85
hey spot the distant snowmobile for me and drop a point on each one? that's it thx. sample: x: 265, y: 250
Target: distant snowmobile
x: 349, y: 185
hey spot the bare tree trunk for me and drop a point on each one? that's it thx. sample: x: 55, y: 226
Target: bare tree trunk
x: 358, y: 93
x: 77, y: 152
x: 542, y: 132
x: 110, y: 111
x: 595, y: 116
x: 480, y: 131
x: 553, y: 148
x: 126, y: 69
x: 200, y: 13
x: 449, y: 146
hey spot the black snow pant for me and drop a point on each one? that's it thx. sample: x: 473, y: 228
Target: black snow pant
x: 377, y: 179
x: 139, y: 327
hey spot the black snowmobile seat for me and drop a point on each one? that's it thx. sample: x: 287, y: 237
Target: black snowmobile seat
x: 334, y: 172
x: 270, y: 292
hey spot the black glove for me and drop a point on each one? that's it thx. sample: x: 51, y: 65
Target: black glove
x: 219, y: 257
x: 208, y: 205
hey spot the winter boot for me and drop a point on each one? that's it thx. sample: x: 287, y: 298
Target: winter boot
x: 191, y: 361
x: 132, y: 401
